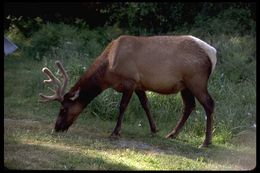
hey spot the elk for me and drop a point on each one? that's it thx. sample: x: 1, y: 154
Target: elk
x: 161, y: 64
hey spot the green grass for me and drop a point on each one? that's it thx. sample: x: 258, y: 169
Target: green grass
x: 29, y: 144
x: 32, y: 146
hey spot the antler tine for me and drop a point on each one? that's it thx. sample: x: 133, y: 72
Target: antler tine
x: 65, y: 76
x: 52, y: 78
x: 48, y: 98
x: 59, y: 89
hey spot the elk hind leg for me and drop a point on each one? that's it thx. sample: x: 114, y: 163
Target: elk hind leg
x: 208, y: 105
x: 200, y: 91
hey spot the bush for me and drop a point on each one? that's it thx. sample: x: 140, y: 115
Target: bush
x: 238, y: 58
x: 70, y: 40
x: 233, y: 21
x: 43, y: 40
x: 26, y: 25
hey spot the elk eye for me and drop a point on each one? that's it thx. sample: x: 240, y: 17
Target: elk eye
x: 65, y: 110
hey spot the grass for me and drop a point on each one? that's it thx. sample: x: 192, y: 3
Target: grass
x: 32, y: 146
x: 29, y: 144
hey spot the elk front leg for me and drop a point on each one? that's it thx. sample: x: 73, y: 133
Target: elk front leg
x: 123, y: 104
x: 144, y: 102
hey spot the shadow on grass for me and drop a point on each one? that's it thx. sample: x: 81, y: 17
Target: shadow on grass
x: 36, y: 157
x: 238, y: 157
x: 232, y: 157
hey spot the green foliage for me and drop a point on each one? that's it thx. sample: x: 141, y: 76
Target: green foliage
x: 15, y: 34
x: 158, y: 18
x: 110, y: 99
x: 232, y: 21
x: 138, y: 17
x: 67, y: 41
x: 26, y: 25
x: 237, y: 57
x: 152, y: 17
x: 42, y: 40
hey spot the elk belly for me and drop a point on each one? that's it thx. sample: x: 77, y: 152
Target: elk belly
x: 165, y: 88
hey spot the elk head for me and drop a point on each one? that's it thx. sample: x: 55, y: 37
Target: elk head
x: 70, y: 106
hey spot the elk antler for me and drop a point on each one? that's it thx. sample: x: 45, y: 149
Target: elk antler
x: 59, y: 92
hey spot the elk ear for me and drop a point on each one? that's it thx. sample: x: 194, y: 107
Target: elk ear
x: 76, y: 95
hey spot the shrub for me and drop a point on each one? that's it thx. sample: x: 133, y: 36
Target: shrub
x: 233, y: 21
x: 42, y: 40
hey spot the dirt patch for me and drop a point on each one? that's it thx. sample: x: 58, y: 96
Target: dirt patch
x: 126, y: 143
x: 246, y: 137
x: 175, y: 147
x: 24, y: 122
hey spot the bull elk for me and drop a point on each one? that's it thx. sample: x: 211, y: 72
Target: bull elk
x: 162, y: 64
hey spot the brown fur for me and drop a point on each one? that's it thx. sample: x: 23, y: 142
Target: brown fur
x: 160, y: 63
x: 163, y: 64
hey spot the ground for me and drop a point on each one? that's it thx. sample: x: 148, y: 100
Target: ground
x: 30, y: 144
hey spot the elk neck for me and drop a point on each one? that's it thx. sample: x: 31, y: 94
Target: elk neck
x: 92, y: 83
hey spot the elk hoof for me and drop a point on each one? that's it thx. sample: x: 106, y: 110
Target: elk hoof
x: 114, y: 136
x: 153, y: 134
x: 205, y: 145
x: 170, y: 136
x: 154, y: 131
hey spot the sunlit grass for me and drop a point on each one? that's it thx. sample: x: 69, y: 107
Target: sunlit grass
x: 81, y: 148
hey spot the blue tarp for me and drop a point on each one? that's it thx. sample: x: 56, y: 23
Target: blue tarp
x: 9, y: 47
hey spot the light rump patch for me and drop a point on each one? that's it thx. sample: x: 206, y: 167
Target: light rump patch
x: 211, y: 51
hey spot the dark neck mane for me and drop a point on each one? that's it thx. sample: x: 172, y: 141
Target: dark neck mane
x: 90, y: 83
